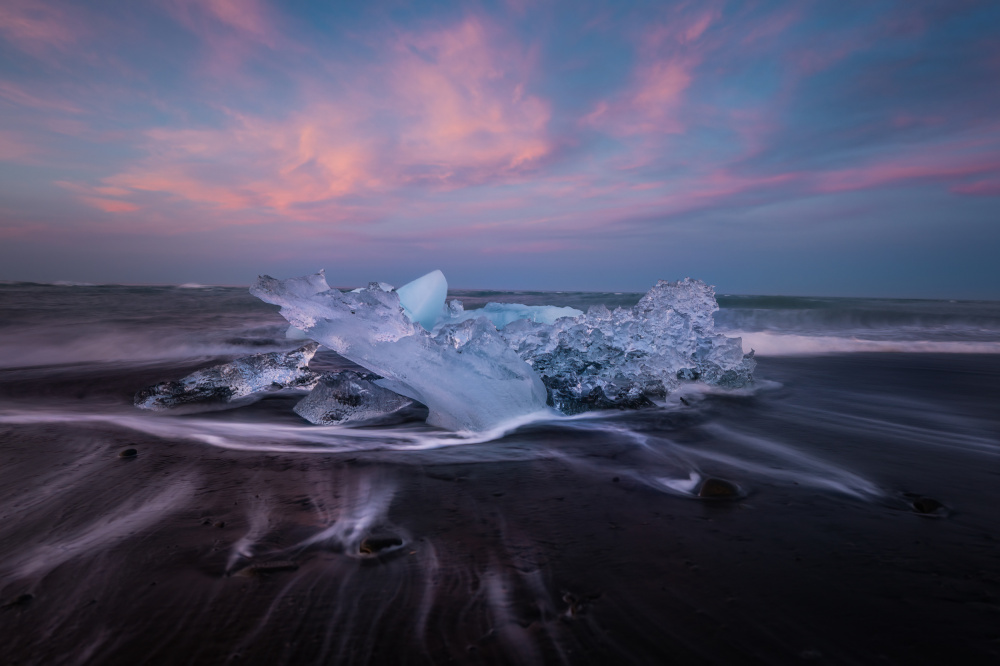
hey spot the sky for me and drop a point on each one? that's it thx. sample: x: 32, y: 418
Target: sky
x: 805, y: 148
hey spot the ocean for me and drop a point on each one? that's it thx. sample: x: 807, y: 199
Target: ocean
x: 865, y: 457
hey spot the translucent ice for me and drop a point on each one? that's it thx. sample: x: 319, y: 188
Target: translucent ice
x: 502, y: 314
x: 384, y: 286
x: 231, y: 382
x: 292, y: 333
x: 469, y: 378
x: 423, y: 299
x: 347, y: 397
x: 472, y: 376
x: 624, y: 358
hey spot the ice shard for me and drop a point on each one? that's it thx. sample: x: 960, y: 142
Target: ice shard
x: 469, y: 378
x: 472, y: 376
x: 423, y: 299
x: 347, y: 397
x: 625, y: 358
x: 502, y: 314
x: 234, y: 381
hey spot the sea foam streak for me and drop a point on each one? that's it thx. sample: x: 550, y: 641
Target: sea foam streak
x: 768, y: 343
x: 654, y: 461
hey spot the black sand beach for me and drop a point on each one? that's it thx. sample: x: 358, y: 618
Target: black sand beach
x: 553, y: 544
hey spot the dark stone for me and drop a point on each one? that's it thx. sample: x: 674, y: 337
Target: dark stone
x: 128, y: 453
x: 220, y: 524
x: 926, y: 505
x: 20, y: 600
x: 373, y: 545
x: 718, y: 489
x: 615, y: 480
x: 577, y: 604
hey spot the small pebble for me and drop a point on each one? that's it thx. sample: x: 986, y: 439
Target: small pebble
x: 128, y: 453
x: 718, y: 489
x: 926, y: 505
x: 220, y: 524
x: 20, y: 600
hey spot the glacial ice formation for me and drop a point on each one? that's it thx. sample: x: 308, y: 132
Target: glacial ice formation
x: 423, y: 298
x: 469, y: 379
x: 347, y: 397
x: 502, y: 314
x: 231, y: 382
x: 625, y: 358
x: 472, y: 376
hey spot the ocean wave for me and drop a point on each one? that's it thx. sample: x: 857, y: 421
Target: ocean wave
x: 770, y: 343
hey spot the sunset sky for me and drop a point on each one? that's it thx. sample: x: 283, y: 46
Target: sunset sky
x: 827, y: 148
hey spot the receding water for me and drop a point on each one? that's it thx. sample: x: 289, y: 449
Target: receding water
x: 251, y: 536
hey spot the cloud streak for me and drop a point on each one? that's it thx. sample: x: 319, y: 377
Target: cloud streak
x: 499, y: 132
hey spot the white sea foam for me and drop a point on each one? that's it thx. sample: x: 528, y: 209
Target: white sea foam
x: 767, y: 343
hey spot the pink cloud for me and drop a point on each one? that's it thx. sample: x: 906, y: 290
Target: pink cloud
x: 462, y: 116
x: 232, y: 32
x: 17, y: 231
x: 13, y: 148
x: 250, y: 19
x: 110, y: 205
x: 944, y: 168
x: 982, y: 188
x: 464, y: 96
x: 19, y: 96
x: 654, y: 98
x: 37, y: 27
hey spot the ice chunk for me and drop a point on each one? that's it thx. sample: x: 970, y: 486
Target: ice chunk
x: 292, y: 333
x: 502, y: 314
x: 347, y: 397
x: 469, y: 378
x: 384, y: 286
x: 473, y: 377
x: 423, y: 299
x: 623, y: 358
x: 231, y: 382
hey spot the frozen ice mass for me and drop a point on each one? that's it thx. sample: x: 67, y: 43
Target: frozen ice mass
x: 475, y: 370
x: 423, y: 299
x: 347, y: 397
x: 466, y: 375
x: 234, y: 382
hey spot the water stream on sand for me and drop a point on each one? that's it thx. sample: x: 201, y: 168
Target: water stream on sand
x: 250, y: 534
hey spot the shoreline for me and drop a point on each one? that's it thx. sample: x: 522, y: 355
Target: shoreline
x: 551, y: 544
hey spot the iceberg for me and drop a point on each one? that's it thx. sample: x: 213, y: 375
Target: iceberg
x: 423, y: 299
x: 347, y: 397
x: 502, y: 314
x: 626, y: 358
x: 233, y: 382
x: 475, y: 370
x: 469, y: 377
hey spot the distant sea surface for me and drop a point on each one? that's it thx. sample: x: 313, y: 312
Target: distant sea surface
x: 43, y: 324
x: 865, y: 462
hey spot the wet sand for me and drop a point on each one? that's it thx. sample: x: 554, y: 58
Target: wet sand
x: 549, y: 546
